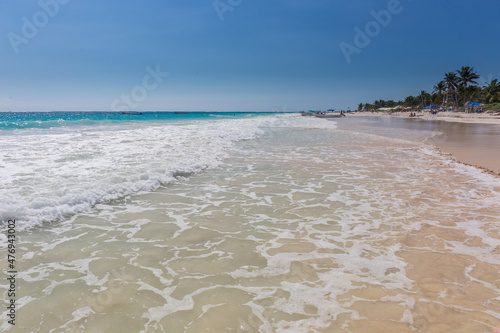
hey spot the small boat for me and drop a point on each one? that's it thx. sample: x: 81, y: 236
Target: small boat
x: 133, y: 113
x: 328, y: 115
x: 324, y: 114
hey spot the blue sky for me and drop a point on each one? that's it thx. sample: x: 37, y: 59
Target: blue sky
x: 262, y: 55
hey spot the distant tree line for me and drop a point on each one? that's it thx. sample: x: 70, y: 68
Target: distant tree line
x: 463, y: 82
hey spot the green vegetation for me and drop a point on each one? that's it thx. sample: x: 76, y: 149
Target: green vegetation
x: 463, y: 82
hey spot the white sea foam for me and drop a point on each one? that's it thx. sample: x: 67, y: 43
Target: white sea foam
x: 52, y: 173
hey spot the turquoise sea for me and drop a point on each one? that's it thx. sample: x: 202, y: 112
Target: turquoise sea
x: 25, y: 120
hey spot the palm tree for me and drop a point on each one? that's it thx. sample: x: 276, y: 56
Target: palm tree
x: 491, y: 89
x: 439, y: 88
x: 467, y: 75
x: 410, y: 101
x: 451, y: 80
x: 423, y: 94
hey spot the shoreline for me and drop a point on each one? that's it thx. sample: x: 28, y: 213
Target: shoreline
x: 462, y: 117
x: 471, y: 139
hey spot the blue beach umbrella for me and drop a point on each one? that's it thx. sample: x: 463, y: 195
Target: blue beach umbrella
x: 431, y: 107
x: 473, y: 104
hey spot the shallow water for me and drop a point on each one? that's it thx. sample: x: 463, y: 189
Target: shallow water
x: 296, y: 227
x: 472, y: 143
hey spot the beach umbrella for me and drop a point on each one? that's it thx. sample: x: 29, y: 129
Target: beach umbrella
x: 331, y: 110
x: 431, y: 107
x: 473, y: 104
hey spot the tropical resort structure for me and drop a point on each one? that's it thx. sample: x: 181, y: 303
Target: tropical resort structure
x: 450, y: 99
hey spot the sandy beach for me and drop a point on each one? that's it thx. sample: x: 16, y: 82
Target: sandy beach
x: 471, y: 138
x: 462, y: 117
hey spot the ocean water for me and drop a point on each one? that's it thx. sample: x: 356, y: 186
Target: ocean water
x: 247, y: 223
x: 29, y: 120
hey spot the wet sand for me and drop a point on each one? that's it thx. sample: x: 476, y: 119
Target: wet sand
x: 470, y: 140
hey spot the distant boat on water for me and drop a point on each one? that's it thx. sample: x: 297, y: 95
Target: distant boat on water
x: 328, y: 115
x: 133, y: 113
x: 322, y: 114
